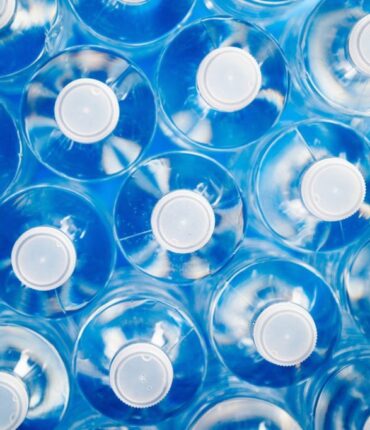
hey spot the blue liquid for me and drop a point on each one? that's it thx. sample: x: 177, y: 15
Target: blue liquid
x: 184, y: 111
x: 132, y: 24
x: 246, y: 294
x: 10, y: 150
x: 131, y: 318
x: 277, y: 178
x: 79, y: 220
x: 152, y: 180
x: 110, y: 156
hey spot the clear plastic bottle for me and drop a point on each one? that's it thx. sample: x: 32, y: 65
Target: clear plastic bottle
x: 51, y: 238
x: 334, y: 71
x: 135, y: 24
x: 34, y: 380
x: 139, y: 358
x: 88, y: 113
x: 222, y: 84
x: 179, y: 216
x: 274, y: 322
x: 309, y: 183
x: 10, y: 151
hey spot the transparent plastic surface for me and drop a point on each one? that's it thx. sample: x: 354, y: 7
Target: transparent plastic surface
x: 23, y: 38
x: 113, y: 153
x: 78, y: 221
x: 30, y: 358
x: 243, y: 298
x: 189, y: 115
x: 185, y: 258
x: 132, y: 22
x: 331, y: 67
x: 278, y: 179
x: 10, y: 150
x: 124, y: 322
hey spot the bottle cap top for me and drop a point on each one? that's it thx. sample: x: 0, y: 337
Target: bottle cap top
x: 229, y: 79
x: 285, y: 334
x: 14, y: 401
x: 134, y: 2
x: 43, y: 258
x: 141, y: 375
x: 86, y: 110
x: 7, y: 11
x: 359, y: 46
x: 333, y: 189
x: 183, y: 221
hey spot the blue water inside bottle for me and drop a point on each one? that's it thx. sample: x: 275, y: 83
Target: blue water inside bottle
x: 139, y: 358
x: 309, y: 185
x: 215, y: 77
x: 34, y: 379
x: 179, y: 216
x: 10, y: 150
x: 274, y: 322
x: 88, y: 113
x: 57, y: 252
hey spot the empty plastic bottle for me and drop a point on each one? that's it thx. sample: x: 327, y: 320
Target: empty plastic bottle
x: 335, y: 70
x: 56, y: 253
x: 28, y: 32
x: 139, y: 359
x: 274, y: 322
x: 10, y: 151
x: 309, y: 185
x: 179, y: 216
x: 34, y: 381
x: 88, y: 113
x: 222, y: 84
x: 132, y: 23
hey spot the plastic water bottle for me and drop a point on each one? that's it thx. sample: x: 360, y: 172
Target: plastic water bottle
x: 274, y: 322
x: 139, y: 358
x: 132, y: 23
x: 341, y: 395
x: 222, y: 84
x: 88, y: 114
x: 179, y: 216
x: 57, y: 253
x: 10, y: 151
x: 34, y: 381
x: 28, y: 32
x: 335, y: 70
x: 309, y: 185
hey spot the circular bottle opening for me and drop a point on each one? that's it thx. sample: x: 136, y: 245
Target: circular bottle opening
x: 43, y: 258
x: 183, y: 221
x: 86, y: 110
x: 359, y: 45
x: 14, y: 401
x: 229, y: 79
x: 285, y: 334
x: 141, y: 375
x: 7, y: 11
x: 333, y: 189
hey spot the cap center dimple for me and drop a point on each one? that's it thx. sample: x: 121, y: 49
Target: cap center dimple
x: 43, y: 258
x: 86, y: 110
x: 229, y: 79
x: 183, y: 221
x: 359, y: 45
x: 14, y: 401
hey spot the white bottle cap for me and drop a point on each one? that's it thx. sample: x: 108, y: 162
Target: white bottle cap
x: 7, y: 11
x: 367, y: 424
x: 134, y: 2
x: 183, y: 221
x: 359, y: 44
x: 86, y: 110
x: 141, y: 375
x: 333, y: 189
x: 229, y: 79
x: 285, y: 334
x: 14, y: 401
x: 43, y: 258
